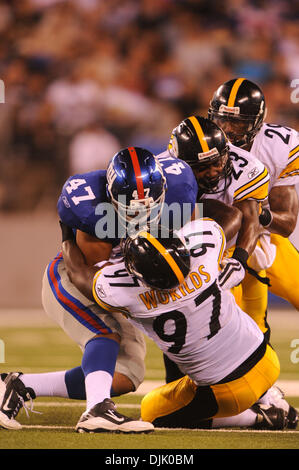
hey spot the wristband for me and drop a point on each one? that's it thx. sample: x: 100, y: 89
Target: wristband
x: 67, y: 232
x: 241, y: 255
x: 265, y: 218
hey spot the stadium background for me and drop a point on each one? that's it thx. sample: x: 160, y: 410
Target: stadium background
x: 84, y: 78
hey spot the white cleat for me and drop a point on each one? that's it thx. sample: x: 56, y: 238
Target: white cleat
x: 103, y: 417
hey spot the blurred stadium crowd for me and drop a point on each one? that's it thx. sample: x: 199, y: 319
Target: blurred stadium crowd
x: 84, y: 78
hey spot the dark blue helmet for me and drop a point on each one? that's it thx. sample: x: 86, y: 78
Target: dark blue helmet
x: 136, y: 185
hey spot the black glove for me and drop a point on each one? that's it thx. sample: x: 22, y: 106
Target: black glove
x: 66, y: 231
x: 265, y: 217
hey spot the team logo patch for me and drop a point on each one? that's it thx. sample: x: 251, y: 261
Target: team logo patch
x: 100, y: 290
x: 66, y: 202
x: 229, y: 109
x: 211, y: 153
x: 253, y: 173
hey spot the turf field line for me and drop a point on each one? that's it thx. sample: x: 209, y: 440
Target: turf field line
x: 59, y: 404
x: 37, y: 426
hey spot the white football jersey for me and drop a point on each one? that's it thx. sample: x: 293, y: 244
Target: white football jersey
x: 197, y: 325
x: 277, y: 147
x: 249, y: 179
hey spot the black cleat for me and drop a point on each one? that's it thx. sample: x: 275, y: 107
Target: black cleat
x: 278, y: 399
x: 269, y: 417
x: 13, y: 394
x: 292, y: 418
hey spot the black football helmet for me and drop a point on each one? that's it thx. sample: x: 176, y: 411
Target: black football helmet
x: 160, y: 262
x: 238, y: 107
x: 201, y: 143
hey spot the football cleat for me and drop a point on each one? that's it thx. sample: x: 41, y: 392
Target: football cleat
x: 13, y: 394
x: 103, y: 417
x: 277, y: 398
x: 292, y: 418
x: 269, y: 417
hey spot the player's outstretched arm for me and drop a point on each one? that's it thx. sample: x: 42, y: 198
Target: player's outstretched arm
x: 94, y: 250
x: 228, y: 217
x: 250, y: 228
x: 282, y: 217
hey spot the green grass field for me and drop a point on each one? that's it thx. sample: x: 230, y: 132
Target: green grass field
x: 42, y: 348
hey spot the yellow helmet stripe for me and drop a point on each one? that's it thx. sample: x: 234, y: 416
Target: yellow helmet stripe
x: 234, y: 91
x: 165, y: 255
x: 200, y: 134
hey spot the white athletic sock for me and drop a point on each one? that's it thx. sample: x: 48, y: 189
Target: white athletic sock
x: 48, y: 384
x: 98, y: 387
x: 244, y: 419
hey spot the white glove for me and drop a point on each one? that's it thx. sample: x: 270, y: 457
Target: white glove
x: 263, y: 256
x: 231, y: 274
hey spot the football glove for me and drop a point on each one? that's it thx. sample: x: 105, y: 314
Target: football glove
x: 263, y: 255
x: 231, y: 274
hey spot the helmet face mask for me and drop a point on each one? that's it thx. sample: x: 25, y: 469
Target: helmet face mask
x: 240, y: 131
x: 160, y: 263
x: 238, y: 106
x: 212, y: 184
x: 136, y: 186
x: 204, y: 146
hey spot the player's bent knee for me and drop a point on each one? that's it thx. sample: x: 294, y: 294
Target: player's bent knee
x: 115, y: 336
x: 168, y: 399
x: 122, y: 384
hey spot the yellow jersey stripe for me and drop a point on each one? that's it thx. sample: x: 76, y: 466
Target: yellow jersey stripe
x: 295, y: 150
x: 200, y: 133
x: 251, y: 183
x: 260, y: 193
x: 222, y: 245
x: 159, y: 247
x: 234, y: 91
x: 291, y: 169
x: 104, y: 305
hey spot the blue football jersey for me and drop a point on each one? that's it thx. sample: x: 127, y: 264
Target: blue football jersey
x: 84, y: 205
x: 181, y: 191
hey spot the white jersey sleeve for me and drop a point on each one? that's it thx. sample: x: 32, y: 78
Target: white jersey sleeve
x: 196, y: 325
x: 249, y: 179
x: 277, y: 147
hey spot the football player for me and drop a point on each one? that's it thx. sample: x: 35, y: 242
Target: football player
x: 142, y: 182
x: 238, y: 107
x: 169, y: 286
x: 235, y: 176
